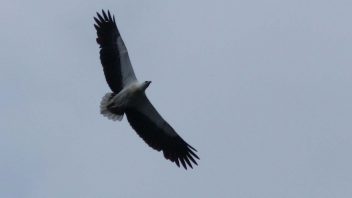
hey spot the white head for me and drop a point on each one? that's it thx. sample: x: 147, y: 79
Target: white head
x: 145, y: 84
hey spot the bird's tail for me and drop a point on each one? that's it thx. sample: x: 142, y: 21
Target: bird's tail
x: 107, y: 110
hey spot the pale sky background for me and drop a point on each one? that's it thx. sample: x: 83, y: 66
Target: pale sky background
x: 263, y: 90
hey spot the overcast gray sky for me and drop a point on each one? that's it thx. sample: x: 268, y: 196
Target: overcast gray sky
x: 261, y: 88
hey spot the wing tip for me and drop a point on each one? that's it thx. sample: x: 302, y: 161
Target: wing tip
x: 186, y: 160
x: 105, y: 27
x: 103, y: 17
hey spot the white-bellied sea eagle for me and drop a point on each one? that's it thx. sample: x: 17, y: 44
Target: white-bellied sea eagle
x: 128, y: 97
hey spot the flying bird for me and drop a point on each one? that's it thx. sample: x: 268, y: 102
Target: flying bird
x: 128, y: 97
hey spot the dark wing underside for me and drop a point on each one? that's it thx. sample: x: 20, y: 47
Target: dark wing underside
x: 113, y: 53
x: 173, y: 146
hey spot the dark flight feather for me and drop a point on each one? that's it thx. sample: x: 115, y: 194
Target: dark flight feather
x: 174, y: 148
x: 109, y: 52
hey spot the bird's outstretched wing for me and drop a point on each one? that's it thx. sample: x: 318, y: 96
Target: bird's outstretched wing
x: 113, y: 53
x: 158, y: 134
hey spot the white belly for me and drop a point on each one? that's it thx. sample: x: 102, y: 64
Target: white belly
x: 126, y: 96
x: 113, y: 107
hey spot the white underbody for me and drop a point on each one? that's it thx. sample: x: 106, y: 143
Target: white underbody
x: 125, y: 98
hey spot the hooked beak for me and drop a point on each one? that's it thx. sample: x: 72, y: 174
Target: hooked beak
x: 148, y: 83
